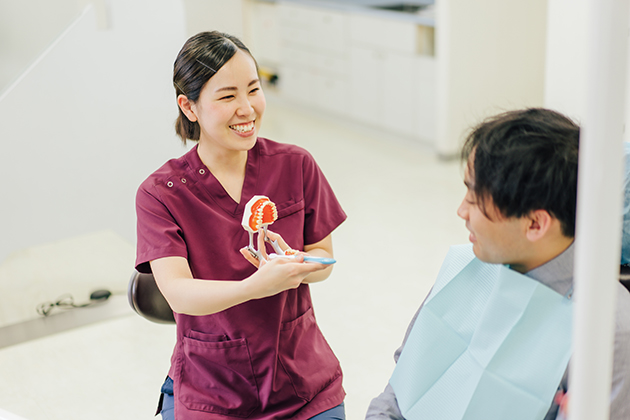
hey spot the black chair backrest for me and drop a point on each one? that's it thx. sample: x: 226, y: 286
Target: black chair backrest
x: 624, y: 276
x: 146, y: 299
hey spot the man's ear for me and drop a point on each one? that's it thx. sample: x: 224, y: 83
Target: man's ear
x: 540, y: 223
x: 187, y: 107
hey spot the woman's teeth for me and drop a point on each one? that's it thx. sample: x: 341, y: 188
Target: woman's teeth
x: 243, y: 128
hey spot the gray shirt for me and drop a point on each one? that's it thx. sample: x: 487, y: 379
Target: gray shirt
x: 558, y: 275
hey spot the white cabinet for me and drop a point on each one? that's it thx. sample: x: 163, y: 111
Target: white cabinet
x: 393, y: 83
x: 311, y: 27
x: 366, y: 93
x: 376, y: 70
x: 314, y: 68
x: 261, y: 24
x: 394, y: 91
x: 426, y: 115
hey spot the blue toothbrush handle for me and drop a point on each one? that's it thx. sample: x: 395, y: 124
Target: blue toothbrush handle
x: 321, y: 260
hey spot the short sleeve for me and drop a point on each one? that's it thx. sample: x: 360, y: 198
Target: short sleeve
x: 158, y: 234
x: 322, y: 211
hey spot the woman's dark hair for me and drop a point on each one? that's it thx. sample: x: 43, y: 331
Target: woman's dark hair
x: 524, y: 161
x: 198, y: 60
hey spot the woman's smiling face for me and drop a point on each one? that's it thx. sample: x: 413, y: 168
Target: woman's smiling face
x: 230, y: 106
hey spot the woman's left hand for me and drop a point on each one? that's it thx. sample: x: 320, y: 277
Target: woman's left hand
x: 322, y: 248
x: 272, y: 236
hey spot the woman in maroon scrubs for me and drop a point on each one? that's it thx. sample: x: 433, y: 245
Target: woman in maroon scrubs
x: 248, y: 345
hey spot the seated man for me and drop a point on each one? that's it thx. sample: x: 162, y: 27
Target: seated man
x: 521, y: 176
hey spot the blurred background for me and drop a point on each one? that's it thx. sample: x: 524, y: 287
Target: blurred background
x: 380, y: 92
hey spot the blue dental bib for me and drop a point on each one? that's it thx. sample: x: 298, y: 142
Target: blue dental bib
x: 489, y: 343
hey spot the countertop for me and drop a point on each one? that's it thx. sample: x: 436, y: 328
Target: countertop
x: 377, y: 8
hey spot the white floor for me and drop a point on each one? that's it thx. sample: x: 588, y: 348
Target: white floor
x: 401, y: 202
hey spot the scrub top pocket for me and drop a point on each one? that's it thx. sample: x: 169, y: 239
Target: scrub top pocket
x: 216, y: 375
x: 306, y: 357
x: 290, y: 223
x: 289, y: 208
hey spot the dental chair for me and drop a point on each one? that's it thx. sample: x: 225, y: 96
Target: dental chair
x: 146, y: 299
x: 624, y: 276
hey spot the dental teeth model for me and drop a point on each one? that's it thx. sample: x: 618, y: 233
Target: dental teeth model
x: 260, y: 212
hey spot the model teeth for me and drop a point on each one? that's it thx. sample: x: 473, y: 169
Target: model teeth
x: 243, y: 128
x: 259, y: 212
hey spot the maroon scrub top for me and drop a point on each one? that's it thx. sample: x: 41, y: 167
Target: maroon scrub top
x: 265, y: 358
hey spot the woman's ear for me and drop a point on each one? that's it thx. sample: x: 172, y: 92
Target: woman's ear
x: 540, y: 224
x: 187, y: 107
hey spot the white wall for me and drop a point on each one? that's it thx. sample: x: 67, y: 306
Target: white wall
x: 27, y: 31
x: 220, y: 15
x: 87, y: 123
x: 490, y: 58
x: 5, y: 415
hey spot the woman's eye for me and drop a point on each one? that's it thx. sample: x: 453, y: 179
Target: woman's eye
x: 226, y: 97
x: 254, y: 90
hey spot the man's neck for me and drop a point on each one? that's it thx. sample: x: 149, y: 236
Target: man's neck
x: 544, y: 252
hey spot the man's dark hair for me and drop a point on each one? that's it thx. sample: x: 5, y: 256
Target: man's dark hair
x: 524, y: 161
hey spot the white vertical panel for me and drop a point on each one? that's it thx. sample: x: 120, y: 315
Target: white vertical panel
x: 566, y: 61
x: 598, y: 235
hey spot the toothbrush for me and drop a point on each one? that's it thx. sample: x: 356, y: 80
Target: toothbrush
x: 307, y: 258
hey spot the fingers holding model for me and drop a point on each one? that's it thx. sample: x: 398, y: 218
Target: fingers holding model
x: 279, y: 271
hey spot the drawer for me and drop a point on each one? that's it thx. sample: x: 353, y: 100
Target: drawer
x: 331, y: 94
x: 314, y: 61
x: 391, y: 35
x: 318, y: 29
x: 296, y: 56
x: 329, y: 64
x: 297, y: 84
x: 293, y: 15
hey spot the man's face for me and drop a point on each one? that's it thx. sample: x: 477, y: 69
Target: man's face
x: 495, y: 238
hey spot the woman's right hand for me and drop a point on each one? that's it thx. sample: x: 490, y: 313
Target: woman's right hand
x: 279, y: 274
x: 187, y: 295
x: 191, y: 296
